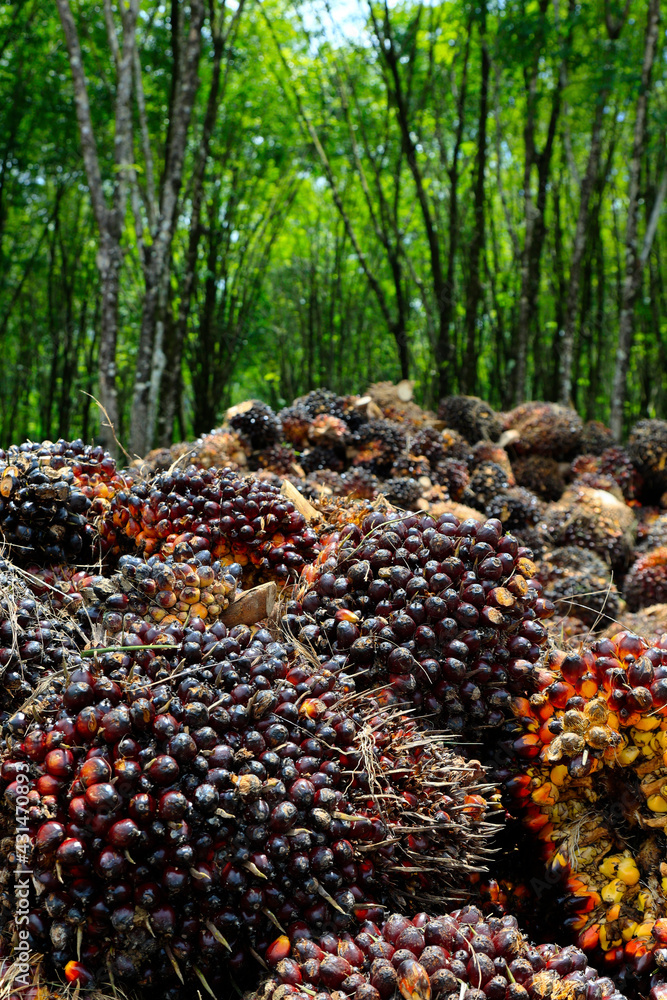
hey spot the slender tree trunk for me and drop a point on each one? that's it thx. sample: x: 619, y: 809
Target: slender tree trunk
x: 469, y: 374
x: 173, y: 346
x: 578, y: 250
x: 186, y: 81
x: 634, y: 259
x: 535, y: 223
x: 110, y: 221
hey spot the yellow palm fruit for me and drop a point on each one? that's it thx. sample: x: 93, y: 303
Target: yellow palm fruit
x: 609, y: 866
x: 628, y: 871
x: 613, y: 891
x: 627, y: 756
x: 558, y: 774
x: 656, y: 803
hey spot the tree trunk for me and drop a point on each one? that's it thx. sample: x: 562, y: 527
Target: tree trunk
x: 157, y: 255
x: 469, y: 374
x: 634, y: 261
x: 176, y: 329
x: 578, y: 250
x: 110, y: 221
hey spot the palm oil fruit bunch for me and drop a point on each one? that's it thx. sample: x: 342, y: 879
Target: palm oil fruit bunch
x: 593, y: 519
x: 461, y: 954
x: 377, y: 444
x: 580, y: 583
x: 540, y: 474
x: 50, y: 494
x: 647, y: 448
x: 256, y: 423
x: 42, y: 510
x: 33, y: 644
x: 185, y: 802
x: 545, y: 429
x: 596, y: 437
x: 590, y: 779
x: 402, y: 492
x: 444, y: 614
x: 237, y: 520
x: 471, y: 417
x: 646, y: 581
x: 164, y: 591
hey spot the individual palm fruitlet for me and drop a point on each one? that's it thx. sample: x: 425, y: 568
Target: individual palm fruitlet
x: 444, y: 613
x: 246, y: 521
x: 590, y: 779
x: 461, y: 954
x: 187, y: 799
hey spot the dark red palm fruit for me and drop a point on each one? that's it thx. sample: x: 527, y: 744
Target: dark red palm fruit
x: 448, y: 613
x: 508, y: 965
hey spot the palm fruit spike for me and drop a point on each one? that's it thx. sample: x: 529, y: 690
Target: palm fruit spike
x: 457, y: 954
x: 590, y: 780
x: 471, y: 417
x: 540, y: 474
x: 323, y: 482
x: 377, y: 444
x: 646, y: 581
x: 237, y: 520
x: 280, y: 459
x: 171, y: 590
x: 328, y: 430
x: 580, y: 583
x: 593, y: 519
x: 486, y: 451
x: 616, y: 462
x: 220, y: 448
x: 444, y: 613
x: 429, y: 442
x: 544, y: 429
x: 256, y: 422
x: 188, y: 798
x: 647, y: 447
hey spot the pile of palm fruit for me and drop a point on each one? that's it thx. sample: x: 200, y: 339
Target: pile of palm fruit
x: 331, y: 702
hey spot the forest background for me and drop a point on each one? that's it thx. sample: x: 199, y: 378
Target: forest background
x: 210, y: 200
